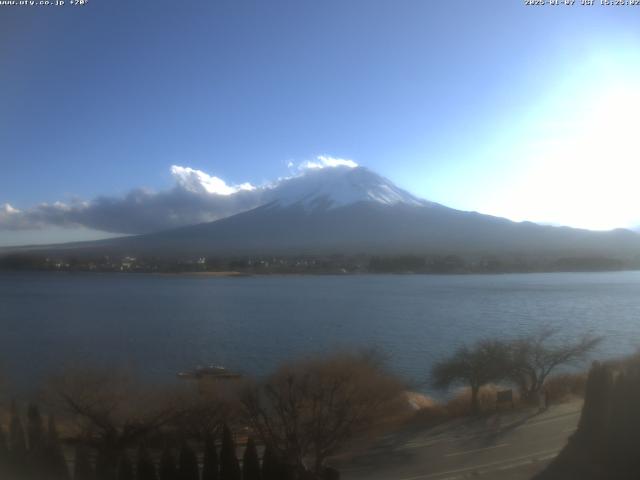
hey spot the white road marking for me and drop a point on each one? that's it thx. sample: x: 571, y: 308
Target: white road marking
x: 411, y: 445
x: 496, y: 466
x: 483, y: 469
x: 457, y: 454
x: 556, y: 418
x: 442, y: 438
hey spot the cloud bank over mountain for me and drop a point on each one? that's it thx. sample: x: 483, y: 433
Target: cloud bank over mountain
x: 195, y: 197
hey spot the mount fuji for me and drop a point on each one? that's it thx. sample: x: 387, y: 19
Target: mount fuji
x: 335, y: 187
x: 344, y: 210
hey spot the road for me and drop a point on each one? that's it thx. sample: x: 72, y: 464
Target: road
x: 504, y: 446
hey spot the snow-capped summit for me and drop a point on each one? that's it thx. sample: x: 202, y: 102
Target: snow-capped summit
x: 335, y: 187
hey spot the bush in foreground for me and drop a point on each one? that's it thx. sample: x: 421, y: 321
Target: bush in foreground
x: 308, y: 411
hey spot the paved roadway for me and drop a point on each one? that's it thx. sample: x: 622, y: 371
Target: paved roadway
x: 505, y: 446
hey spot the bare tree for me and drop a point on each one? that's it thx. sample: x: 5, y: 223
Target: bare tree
x: 204, y: 411
x: 111, y: 409
x: 309, y: 410
x: 534, y: 357
x: 473, y: 366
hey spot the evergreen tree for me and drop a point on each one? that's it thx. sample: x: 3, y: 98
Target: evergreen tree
x: 229, y: 465
x: 250, y: 462
x: 106, y: 465
x: 330, y: 473
x: 55, y: 462
x: 168, y: 470
x: 17, y: 444
x: 82, y: 469
x: 37, y: 442
x: 595, y: 410
x: 210, y: 467
x: 4, y: 454
x: 188, y: 464
x: 35, y: 429
x: 146, y: 468
x: 125, y: 469
x: 622, y: 434
x: 271, y: 466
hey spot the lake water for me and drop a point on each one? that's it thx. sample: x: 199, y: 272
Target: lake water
x: 160, y: 325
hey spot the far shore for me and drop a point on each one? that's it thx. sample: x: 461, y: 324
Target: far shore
x: 235, y: 273
x: 230, y: 273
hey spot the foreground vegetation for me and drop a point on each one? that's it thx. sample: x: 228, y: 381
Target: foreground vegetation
x: 286, y: 427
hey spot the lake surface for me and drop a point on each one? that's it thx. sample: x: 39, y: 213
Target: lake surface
x: 160, y: 325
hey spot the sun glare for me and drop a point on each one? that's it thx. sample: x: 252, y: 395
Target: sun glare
x: 582, y: 168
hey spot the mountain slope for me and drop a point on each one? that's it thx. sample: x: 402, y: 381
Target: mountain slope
x: 353, y: 210
x: 368, y: 227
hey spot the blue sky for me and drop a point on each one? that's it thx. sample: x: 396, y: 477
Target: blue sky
x: 490, y: 106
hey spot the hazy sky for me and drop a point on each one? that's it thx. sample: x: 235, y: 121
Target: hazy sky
x: 523, y: 112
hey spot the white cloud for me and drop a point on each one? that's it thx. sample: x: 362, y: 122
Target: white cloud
x: 61, y: 205
x: 197, y: 181
x: 324, y: 161
x: 196, y: 197
x: 7, y: 209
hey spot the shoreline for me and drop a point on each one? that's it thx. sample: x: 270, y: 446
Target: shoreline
x: 230, y: 273
x: 235, y: 273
